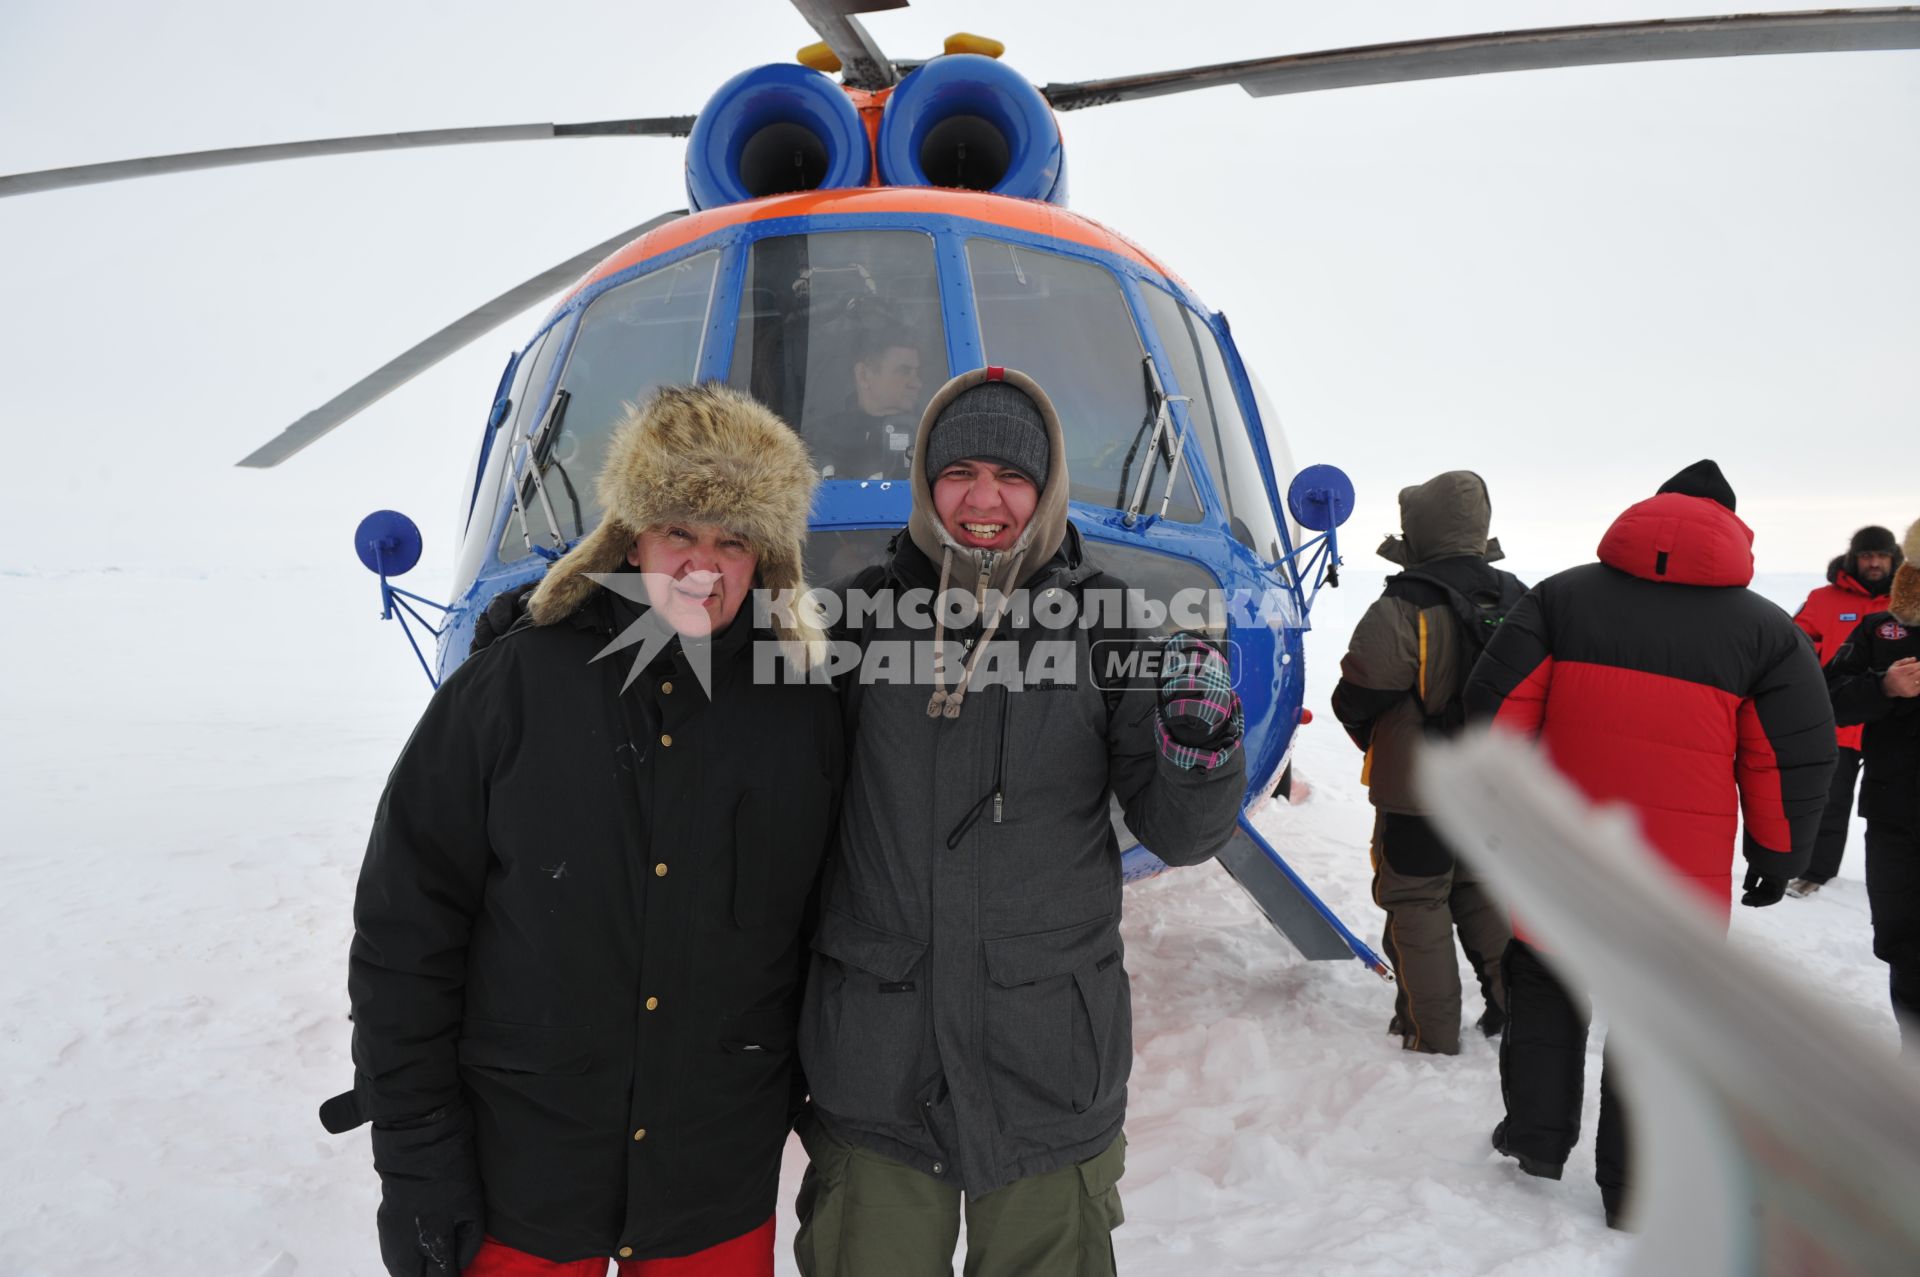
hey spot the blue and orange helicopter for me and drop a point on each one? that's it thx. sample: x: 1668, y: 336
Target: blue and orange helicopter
x: 851, y: 243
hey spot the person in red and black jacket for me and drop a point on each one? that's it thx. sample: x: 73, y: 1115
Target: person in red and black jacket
x: 1656, y: 679
x: 1856, y: 585
x: 1875, y: 680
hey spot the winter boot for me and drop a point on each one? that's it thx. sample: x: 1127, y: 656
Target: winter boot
x: 1531, y: 1165
x: 1801, y: 888
x: 1493, y: 1021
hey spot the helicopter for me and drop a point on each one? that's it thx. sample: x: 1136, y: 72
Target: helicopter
x: 929, y: 198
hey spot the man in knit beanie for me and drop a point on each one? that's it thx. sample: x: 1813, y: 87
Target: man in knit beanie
x: 967, y: 1032
x: 1856, y: 585
x: 992, y: 421
x: 1875, y: 680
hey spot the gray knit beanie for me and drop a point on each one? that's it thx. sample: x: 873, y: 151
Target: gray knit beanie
x: 992, y: 420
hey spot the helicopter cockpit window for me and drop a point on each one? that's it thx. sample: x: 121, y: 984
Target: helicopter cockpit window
x: 1066, y: 324
x: 840, y: 333
x: 1247, y: 497
x: 529, y: 380
x: 632, y: 340
x: 1222, y: 432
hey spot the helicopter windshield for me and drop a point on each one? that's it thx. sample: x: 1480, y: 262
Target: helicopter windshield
x: 840, y: 333
x: 529, y: 381
x: 633, y: 339
x: 1065, y: 323
x: 1201, y: 372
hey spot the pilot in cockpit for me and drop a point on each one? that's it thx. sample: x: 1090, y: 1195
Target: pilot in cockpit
x: 870, y: 435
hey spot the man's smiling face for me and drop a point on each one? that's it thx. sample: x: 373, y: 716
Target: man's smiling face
x: 983, y: 504
x: 697, y: 574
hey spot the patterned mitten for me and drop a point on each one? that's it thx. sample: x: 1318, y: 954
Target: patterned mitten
x: 1200, y: 719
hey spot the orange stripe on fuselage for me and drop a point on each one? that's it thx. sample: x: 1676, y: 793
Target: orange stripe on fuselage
x: 1029, y: 216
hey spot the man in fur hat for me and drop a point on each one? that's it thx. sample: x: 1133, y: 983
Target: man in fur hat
x: 1856, y: 585
x: 1875, y: 680
x: 967, y: 1029
x: 578, y: 951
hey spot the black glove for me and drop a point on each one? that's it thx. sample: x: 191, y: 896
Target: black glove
x: 503, y: 612
x: 432, y: 1214
x: 1761, y: 890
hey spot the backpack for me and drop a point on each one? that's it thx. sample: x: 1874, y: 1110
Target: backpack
x: 1476, y: 616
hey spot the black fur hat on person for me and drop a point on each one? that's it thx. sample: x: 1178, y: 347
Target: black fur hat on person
x: 1702, y: 479
x: 1872, y: 539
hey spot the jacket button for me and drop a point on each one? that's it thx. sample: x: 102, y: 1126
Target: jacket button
x: 939, y: 1168
x: 625, y: 1252
x: 660, y: 870
x: 666, y: 689
x: 640, y: 1134
x: 666, y: 740
x: 653, y: 1004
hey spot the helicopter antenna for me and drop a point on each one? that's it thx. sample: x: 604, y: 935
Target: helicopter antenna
x: 862, y: 64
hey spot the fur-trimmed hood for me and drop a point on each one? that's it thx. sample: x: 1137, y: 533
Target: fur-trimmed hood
x: 698, y: 454
x: 1903, y: 600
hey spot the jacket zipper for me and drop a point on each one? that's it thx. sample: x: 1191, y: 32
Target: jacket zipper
x: 1000, y: 760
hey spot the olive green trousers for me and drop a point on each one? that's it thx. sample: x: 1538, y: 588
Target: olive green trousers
x: 864, y: 1215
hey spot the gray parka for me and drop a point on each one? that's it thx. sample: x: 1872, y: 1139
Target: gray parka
x: 967, y: 1011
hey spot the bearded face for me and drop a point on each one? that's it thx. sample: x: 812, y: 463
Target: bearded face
x: 1872, y: 567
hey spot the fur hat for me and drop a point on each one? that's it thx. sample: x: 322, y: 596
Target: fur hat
x: 1872, y: 539
x: 1904, y: 599
x: 698, y: 454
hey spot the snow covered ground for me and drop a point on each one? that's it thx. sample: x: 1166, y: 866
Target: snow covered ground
x: 188, y: 768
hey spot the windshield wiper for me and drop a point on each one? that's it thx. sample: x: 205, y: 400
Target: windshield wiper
x: 538, y: 448
x: 1165, y: 441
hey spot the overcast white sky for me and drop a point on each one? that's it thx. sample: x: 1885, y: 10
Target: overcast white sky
x: 1573, y: 282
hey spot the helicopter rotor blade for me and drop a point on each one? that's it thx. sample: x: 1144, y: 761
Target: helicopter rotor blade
x: 1735, y: 35
x: 462, y: 332
x: 156, y: 165
x: 862, y: 64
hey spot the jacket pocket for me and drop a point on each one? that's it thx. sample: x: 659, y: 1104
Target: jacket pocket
x: 864, y: 1029
x: 1059, y: 1026
x: 779, y: 836
x: 525, y: 1048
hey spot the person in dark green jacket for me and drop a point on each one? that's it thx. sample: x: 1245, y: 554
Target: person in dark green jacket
x: 967, y: 1031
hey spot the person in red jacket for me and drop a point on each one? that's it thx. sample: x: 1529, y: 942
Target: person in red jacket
x: 1856, y: 585
x: 1655, y: 679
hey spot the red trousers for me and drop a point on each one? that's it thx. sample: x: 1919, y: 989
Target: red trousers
x: 748, y: 1255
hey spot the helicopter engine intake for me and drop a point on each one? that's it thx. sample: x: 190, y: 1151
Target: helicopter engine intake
x: 773, y: 130
x: 967, y: 121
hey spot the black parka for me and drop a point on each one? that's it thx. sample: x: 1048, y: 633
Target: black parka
x: 581, y: 913
x: 1890, y: 746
